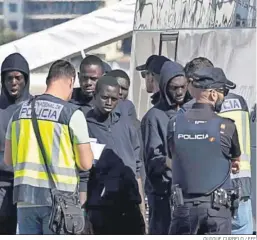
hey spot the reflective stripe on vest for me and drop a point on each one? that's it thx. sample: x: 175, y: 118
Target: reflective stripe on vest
x: 241, y: 119
x: 27, y: 159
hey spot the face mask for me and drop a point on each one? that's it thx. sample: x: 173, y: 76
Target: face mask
x: 218, y: 104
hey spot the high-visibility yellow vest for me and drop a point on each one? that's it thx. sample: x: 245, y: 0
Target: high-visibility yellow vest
x: 235, y: 108
x: 31, y: 181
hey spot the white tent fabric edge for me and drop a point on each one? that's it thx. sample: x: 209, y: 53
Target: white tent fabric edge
x: 95, y: 29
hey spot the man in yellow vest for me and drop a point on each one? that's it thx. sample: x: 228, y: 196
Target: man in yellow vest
x: 64, y: 134
x: 235, y: 108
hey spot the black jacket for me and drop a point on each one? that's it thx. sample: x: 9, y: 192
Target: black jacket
x: 126, y: 108
x: 121, y: 165
x: 154, y: 132
x: 8, y: 105
x: 119, y: 134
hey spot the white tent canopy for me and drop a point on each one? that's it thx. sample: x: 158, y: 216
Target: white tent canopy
x: 84, y: 33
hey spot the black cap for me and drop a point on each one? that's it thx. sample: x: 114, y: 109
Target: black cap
x: 155, y: 66
x: 146, y: 65
x: 211, y: 78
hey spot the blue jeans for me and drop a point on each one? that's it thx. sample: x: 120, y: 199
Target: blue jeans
x: 34, y: 220
x: 243, y: 223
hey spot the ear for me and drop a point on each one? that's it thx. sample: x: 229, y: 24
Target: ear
x: 71, y: 82
x: 213, y: 95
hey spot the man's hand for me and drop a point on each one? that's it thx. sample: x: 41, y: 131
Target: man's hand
x: 235, y: 167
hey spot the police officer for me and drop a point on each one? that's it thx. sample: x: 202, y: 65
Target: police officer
x: 63, y: 129
x: 234, y: 107
x: 204, y: 148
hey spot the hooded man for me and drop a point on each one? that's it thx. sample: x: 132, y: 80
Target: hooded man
x: 15, y: 89
x: 173, y: 89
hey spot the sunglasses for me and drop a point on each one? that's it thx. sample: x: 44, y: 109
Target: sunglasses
x: 224, y: 91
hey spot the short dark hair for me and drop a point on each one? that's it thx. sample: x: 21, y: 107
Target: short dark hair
x: 91, y: 60
x: 118, y: 73
x: 60, y: 68
x: 196, y: 64
x: 106, y: 81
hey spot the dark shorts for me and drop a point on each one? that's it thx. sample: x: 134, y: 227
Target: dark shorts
x: 200, y: 219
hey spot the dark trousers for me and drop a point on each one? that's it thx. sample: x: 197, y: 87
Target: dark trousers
x: 159, y: 214
x: 8, y: 212
x: 114, y: 221
x: 200, y: 219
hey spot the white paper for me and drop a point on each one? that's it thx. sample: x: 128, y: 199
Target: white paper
x: 97, y: 149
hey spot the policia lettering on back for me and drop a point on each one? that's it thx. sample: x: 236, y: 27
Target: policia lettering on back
x: 66, y: 215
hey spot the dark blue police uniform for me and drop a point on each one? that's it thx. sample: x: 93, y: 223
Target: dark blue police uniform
x: 202, y: 145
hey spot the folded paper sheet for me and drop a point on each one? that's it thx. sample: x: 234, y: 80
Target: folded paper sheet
x: 97, y: 148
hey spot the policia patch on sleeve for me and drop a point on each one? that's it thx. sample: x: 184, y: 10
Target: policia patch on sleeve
x: 45, y: 110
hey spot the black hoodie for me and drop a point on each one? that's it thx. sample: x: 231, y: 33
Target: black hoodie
x: 125, y: 107
x: 154, y: 130
x: 14, y: 62
x: 121, y: 138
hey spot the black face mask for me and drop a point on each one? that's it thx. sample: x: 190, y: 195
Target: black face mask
x: 218, y: 105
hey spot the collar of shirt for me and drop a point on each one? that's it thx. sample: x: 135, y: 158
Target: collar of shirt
x: 206, y: 106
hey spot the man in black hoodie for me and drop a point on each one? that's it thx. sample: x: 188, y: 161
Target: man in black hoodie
x: 124, y: 82
x: 15, y: 89
x: 113, y: 194
x: 173, y: 90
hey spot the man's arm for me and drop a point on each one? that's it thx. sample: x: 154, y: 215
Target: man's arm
x: 8, y: 145
x: 136, y: 146
x: 81, y: 143
x: 235, y: 152
x: 170, y: 135
x: 8, y: 153
x: 154, y: 144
